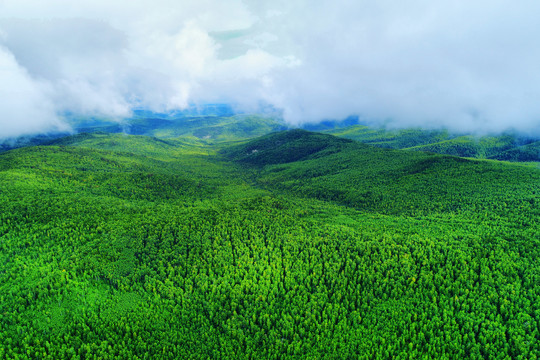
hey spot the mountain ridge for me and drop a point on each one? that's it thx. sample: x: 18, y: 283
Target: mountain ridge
x: 129, y: 246
x: 213, y: 128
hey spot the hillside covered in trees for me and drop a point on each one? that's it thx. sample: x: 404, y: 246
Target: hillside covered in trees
x: 292, y: 245
x: 217, y: 125
x: 508, y: 147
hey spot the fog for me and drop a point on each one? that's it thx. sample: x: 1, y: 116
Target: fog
x: 470, y: 67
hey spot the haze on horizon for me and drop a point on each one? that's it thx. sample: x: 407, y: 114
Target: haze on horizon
x: 467, y: 66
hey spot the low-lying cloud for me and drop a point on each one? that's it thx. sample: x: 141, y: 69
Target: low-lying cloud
x: 462, y: 65
x: 25, y: 102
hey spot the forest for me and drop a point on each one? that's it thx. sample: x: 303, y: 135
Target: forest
x: 217, y: 126
x: 294, y: 244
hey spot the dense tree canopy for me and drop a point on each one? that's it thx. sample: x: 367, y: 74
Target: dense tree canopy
x: 130, y: 247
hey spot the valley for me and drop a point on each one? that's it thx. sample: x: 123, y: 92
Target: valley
x: 236, y: 239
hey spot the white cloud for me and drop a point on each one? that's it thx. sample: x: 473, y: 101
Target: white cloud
x: 24, y: 103
x: 468, y: 66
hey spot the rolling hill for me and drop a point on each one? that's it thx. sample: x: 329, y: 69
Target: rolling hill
x: 291, y: 245
x: 509, y: 147
x: 210, y: 128
x: 219, y: 125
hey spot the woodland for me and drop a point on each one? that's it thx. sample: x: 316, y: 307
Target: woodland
x: 204, y: 244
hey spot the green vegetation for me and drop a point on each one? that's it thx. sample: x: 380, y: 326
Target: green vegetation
x: 292, y: 245
x: 217, y: 125
x: 285, y: 147
x: 393, y: 139
x: 528, y: 152
x: 207, y: 129
x: 503, y: 147
x: 469, y: 146
x: 211, y: 129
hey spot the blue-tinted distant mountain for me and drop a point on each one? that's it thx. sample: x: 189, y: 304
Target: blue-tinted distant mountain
x: 209, y: 123
x: 208, y: 128
x: 213, y: 123
x: 24, y: 141
x: 332, y: 124
x: 191, y: 111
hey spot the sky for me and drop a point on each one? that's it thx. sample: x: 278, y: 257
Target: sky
x: 470, y: 66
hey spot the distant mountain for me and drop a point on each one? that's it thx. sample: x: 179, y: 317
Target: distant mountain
x: 208, y: 128
x: 191, y: 111
x: 509, y: 147
x: 393, y: 139
x: 528, y: 152
x: 216, y: 124
x: 23, y: 141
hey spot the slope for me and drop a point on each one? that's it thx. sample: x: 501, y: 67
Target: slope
x: 469, y: 146
x: 285, y: 147
x: 383, y: 180
x: 115, y: 246
x: 510, y: 147
x: 393, y: 139
x: 209, y: 128
x: 528, y: 152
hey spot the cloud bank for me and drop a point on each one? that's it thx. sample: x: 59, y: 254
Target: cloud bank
x: 462, y: 65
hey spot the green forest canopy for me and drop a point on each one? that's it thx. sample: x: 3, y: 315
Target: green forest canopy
x: 293, y: 245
